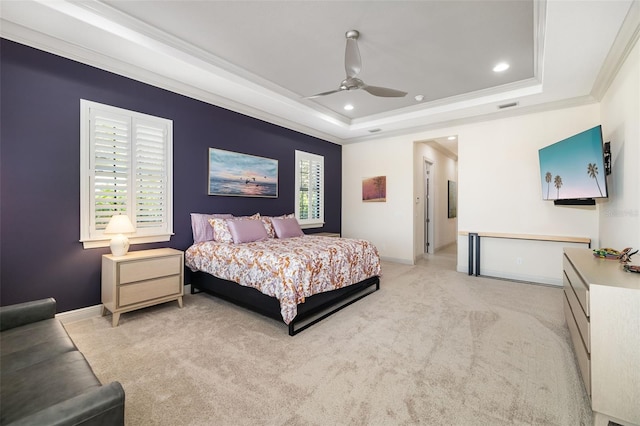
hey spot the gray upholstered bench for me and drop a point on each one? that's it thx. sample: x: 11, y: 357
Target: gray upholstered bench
x: 45, y: 380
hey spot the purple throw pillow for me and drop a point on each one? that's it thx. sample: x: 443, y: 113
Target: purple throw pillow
x: 266, y: 221
x: 202, y: 230
x: 246, y: 231
x: 286, y: 227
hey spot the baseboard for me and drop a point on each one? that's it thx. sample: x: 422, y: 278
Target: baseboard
x: 446, y: 246
x: 535, y: 279
x: 395, y: 260
x: 79, y: 314
x: 91, y: 311
x: 501, y: 275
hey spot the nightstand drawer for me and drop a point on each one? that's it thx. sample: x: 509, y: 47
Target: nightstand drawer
x: 146, y: 269
x: 149, y: 290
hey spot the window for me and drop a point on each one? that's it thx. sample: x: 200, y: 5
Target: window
x: 309, y: 190
x: 125, y: 168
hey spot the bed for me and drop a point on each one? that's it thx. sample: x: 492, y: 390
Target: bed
x: 298, y: 279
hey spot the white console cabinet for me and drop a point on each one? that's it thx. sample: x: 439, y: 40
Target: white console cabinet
x: 602, y: 308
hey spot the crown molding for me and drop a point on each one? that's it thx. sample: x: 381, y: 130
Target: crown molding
x: 623, y: 45
x: 415, y: 132
x: 195, y: 73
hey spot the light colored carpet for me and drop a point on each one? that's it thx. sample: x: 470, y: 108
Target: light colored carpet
x: 432, y: 347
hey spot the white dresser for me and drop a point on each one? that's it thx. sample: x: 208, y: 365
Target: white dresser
x: 602, y: 308
x: 140, y: 279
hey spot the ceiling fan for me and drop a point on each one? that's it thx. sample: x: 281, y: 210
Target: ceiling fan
x: 353, y: 65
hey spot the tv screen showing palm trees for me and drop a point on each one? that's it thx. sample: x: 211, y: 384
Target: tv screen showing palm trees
x: 574, y: 167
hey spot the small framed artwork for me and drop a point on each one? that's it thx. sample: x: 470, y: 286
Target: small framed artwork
x: 374, y: 189
x: 453, y: 200
x: 243, y: 175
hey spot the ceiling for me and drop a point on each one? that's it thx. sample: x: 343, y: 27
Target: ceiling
x: 265, y: 58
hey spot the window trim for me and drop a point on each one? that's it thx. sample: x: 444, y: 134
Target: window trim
x: 92, y: 238
x: 309, y: 223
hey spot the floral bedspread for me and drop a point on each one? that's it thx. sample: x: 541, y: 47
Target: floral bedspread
x: 288, y: 269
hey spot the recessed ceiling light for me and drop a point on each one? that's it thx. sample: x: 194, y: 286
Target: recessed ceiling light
x: 502, y: 66
x: 348, y: 107
x: 451, y: 138
x: 418, y: 98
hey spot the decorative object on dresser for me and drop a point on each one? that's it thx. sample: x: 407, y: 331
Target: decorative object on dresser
x: 119, y: 224
x: 602, y: 309
x: 610, y: 253
x: 625, y: 255
x: 141, y: 279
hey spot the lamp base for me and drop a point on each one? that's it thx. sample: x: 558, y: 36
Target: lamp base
x: 119, y: 245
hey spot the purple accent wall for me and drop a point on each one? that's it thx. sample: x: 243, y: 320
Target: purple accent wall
x: 40, y: 255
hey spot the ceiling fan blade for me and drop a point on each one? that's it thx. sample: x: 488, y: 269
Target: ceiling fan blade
x: 317, y: 95
x: 353, y: 66
x: 384, y: 91
x: 352, y: 61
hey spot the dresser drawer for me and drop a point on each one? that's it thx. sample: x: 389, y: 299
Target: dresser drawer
x: 584, y: 360
x: 581, y: 319
x: 148, y: 290
x: 146, y: 269
x: 579, y: 287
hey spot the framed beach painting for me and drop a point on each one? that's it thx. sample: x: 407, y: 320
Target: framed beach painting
x: 242, y: 175
x: 374, y: 189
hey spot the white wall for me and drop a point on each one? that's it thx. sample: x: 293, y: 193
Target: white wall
x: 620, y: 111
x: 498, y: 191
x: 388, y: 225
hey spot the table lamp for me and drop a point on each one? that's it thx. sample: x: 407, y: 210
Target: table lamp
x: 119, y: 224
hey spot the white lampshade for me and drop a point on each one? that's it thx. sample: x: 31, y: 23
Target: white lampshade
x: 119, y: 225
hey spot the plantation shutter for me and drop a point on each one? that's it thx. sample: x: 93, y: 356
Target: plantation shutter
x: 111, y: 145
x: 150, y: 175
x: 126, y: 168
x: 310, y: 190
x: 315, y: 189
x: 303, y: 189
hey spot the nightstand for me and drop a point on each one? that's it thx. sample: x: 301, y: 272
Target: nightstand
x: 140, y: 279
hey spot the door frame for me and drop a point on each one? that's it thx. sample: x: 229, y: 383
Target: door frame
x: 428, y: 216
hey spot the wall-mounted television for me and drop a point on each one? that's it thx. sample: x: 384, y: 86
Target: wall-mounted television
x: 572, y: 171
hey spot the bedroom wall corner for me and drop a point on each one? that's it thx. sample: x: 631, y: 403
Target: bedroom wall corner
x: 619, y: 222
